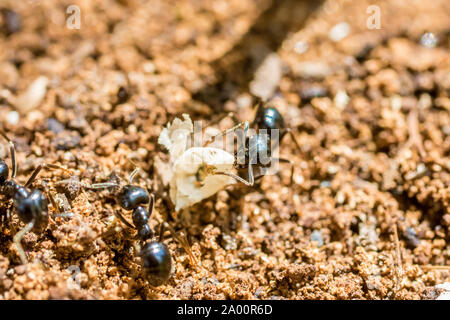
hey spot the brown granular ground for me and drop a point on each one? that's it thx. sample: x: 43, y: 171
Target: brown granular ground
x: 368, y: 214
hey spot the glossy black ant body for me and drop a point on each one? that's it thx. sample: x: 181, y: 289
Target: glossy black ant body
x: 267, y: 118
x: 31, y: 205
x: 155, y: 255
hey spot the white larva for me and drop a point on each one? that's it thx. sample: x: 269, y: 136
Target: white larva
x: 193, y: 168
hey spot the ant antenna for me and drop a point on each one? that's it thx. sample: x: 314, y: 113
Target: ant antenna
x: 12, y: 150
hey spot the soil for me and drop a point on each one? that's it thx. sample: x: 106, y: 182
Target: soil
x: 368, y: 213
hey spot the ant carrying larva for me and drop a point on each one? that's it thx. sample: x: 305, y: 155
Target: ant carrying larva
x: 199, y: 172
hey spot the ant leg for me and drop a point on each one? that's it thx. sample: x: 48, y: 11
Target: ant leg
x: 291, y: 163
x: 39, y: 169
x: 12, y: 150
x: 18, y: 237
x: 225, y: 132
x: 182, y: 241
x: 53, y: 202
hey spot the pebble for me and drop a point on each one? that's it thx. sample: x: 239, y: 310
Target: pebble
x: 341, y: 99
x: 66, y: 142
x: 325, y: 184
x: 301, y: 47
x: 339, y: 31
x: 149, y: 67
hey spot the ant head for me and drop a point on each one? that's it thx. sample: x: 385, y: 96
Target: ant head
x: 130, y: 197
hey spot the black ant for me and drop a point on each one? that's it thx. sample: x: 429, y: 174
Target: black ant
x: 30, y: 205
x: 267, y: 118
x: 155, y: 255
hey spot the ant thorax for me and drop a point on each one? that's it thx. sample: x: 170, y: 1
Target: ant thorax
x: 193, y: 168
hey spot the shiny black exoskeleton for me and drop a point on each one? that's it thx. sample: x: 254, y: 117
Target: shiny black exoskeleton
x: 268, y: 118
x: 31, y: 205
x: 156, y: 262
x: 133, y: 198
x: 257, y: 154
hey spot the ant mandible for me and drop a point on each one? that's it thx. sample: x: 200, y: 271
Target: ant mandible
x: 266, y: 118
x: 30, y: 205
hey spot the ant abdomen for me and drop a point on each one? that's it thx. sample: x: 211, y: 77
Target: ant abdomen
x: 156, y: 262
